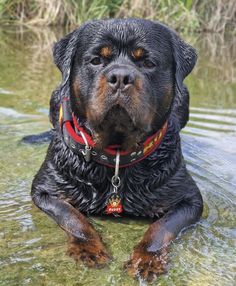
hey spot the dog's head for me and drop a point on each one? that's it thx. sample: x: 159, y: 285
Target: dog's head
x: 123, y: 77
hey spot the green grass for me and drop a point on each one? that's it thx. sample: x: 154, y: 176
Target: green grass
x: 189, y: 15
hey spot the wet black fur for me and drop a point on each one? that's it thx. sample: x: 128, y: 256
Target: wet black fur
x: 157, y: 185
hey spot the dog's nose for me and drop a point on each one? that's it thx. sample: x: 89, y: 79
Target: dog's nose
x: 120, y: 79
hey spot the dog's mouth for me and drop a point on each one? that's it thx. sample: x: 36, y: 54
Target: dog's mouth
x: 117, y: 128
x: 119, y: 111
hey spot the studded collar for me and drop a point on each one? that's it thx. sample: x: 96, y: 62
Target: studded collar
x: 80, y: 142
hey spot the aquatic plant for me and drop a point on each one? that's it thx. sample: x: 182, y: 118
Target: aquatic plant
x: 188, y: 15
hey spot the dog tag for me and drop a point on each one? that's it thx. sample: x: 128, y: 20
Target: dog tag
x: 87, y: 153
x: 114, y: 204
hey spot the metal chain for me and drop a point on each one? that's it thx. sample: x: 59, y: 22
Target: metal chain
x: 115, y: 180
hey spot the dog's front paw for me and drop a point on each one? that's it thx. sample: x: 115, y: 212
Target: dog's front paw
x: 146, y: 265
x: 91, y: 254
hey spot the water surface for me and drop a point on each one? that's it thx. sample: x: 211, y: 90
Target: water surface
x: 32, y: 247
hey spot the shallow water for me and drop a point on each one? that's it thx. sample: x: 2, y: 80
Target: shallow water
x: 32, y: 247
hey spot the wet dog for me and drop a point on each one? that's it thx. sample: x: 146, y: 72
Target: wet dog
x: 116, y: 147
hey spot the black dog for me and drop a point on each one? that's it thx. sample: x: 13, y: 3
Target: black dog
x: 116, y: 146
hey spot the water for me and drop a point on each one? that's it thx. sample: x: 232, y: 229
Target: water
x: 32, y: 247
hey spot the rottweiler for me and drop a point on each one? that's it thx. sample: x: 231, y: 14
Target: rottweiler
x: 116, y: 148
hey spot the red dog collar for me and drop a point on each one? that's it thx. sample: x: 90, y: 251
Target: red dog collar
x: 81, y: 142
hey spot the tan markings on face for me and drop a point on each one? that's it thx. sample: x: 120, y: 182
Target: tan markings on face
x: 98, y: 103
x: 168, y: 88
x: 137, y: 103
x: 102, y: 89
x: 76, y: 87
x: 76, y: 90
x: 138, y: 84
x: 138, y: 53
x: 168, y: 95
x: 106, y: 52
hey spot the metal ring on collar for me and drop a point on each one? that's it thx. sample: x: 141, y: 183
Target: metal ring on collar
x: 115, y: 180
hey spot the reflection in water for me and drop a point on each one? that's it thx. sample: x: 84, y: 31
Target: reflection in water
x: 219, y: 52
x: 33, y: 247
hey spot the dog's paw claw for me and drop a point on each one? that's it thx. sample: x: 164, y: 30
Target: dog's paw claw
x: 90, y: 256
x: 146, y: 266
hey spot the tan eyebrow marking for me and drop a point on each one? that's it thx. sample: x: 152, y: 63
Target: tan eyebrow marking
x: 106, y: 52
x: 138, y: 53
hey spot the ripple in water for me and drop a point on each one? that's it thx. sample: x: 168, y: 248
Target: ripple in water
x: 32, y: 247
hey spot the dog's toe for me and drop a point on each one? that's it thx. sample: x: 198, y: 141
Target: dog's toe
x: 91, y: 255
x: 145, y: 265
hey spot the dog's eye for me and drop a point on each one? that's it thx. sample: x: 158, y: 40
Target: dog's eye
x: 148, y: 64
x: 96, y: 61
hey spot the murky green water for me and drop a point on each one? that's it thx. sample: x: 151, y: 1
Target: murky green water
x: 32, y: 247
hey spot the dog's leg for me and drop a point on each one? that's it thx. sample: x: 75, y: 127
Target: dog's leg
x: 149, y: 257
x: 84, y: 242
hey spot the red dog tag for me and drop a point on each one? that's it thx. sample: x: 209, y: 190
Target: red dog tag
x: 114, y: 204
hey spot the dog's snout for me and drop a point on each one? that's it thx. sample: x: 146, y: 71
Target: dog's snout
x: 120, y: 79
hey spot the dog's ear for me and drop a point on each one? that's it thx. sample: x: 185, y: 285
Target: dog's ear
x: 64, y: 51
x: 185, y: 58
x: 63, y: 54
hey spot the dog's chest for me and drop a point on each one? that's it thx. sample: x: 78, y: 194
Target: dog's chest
x: 143, y: 190
x: 136, y: 198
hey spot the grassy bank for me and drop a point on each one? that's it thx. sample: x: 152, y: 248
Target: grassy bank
x: 190, y: 15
